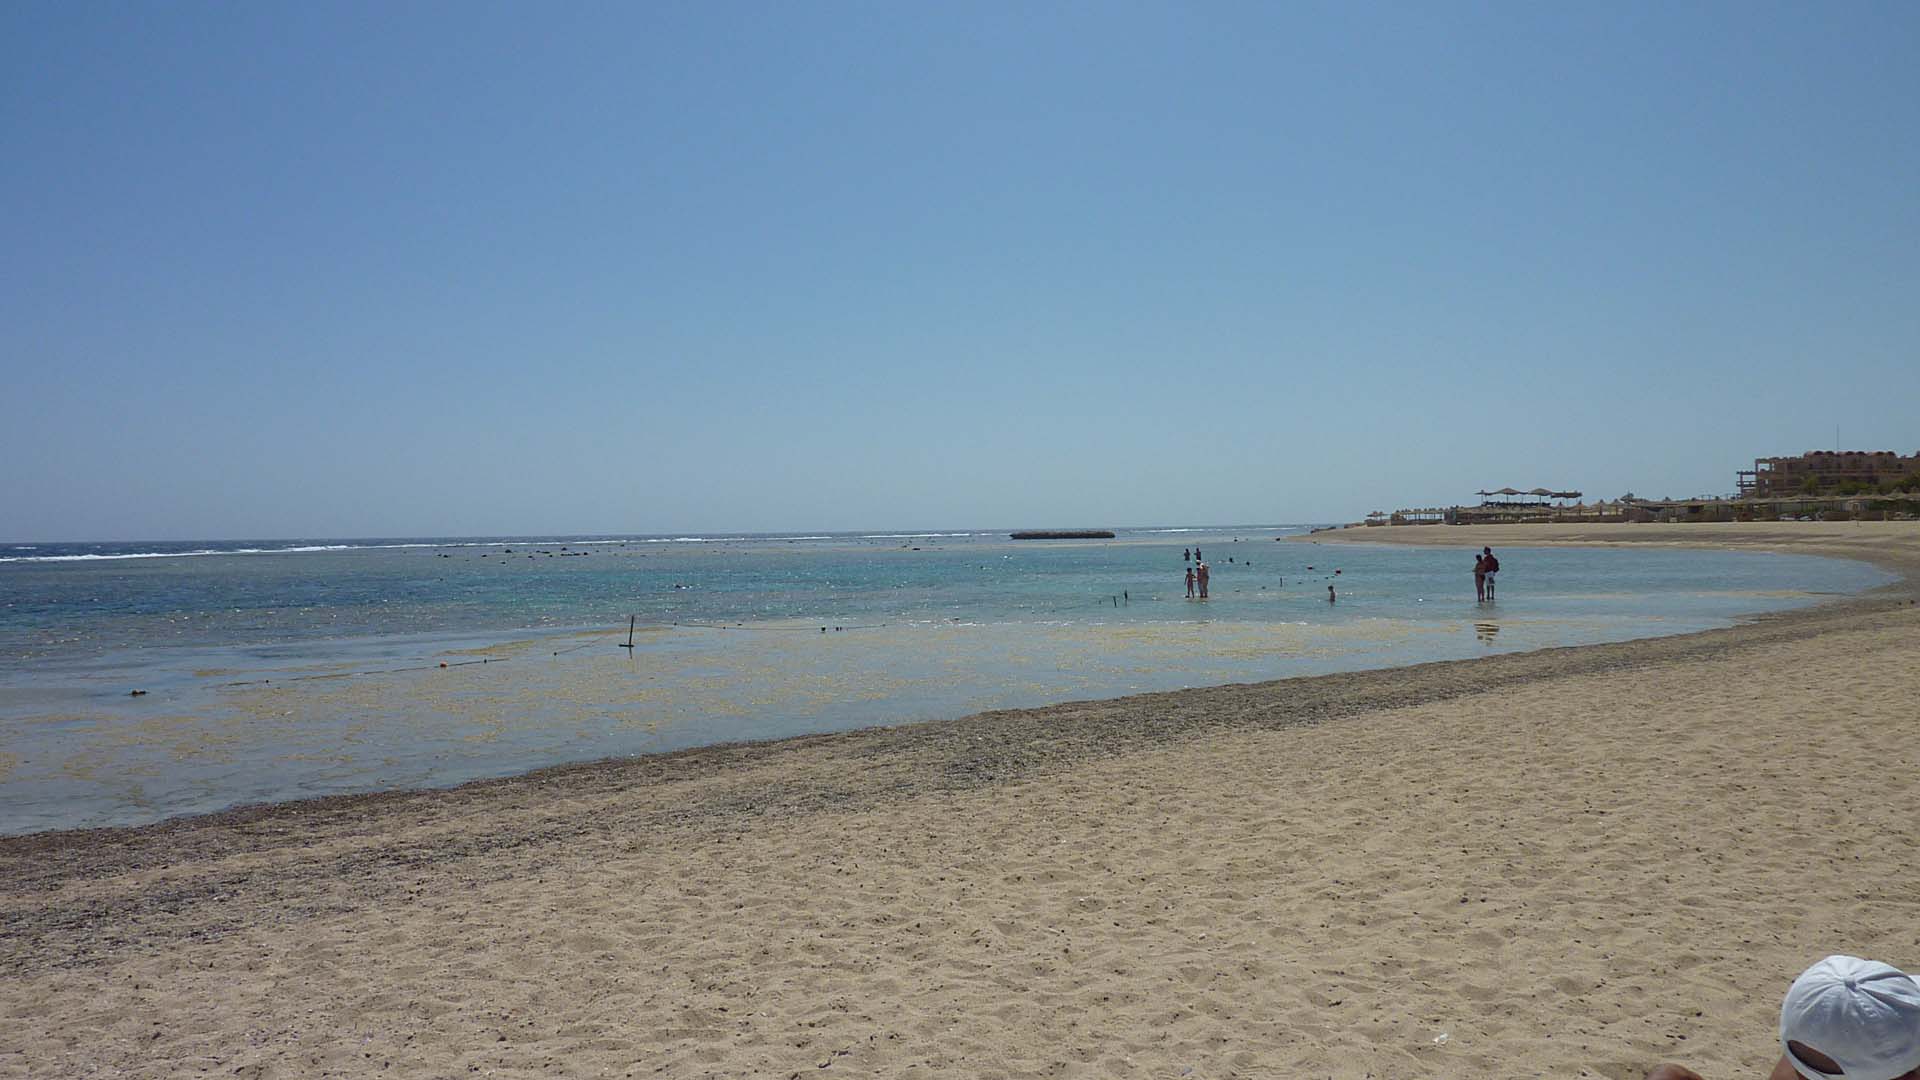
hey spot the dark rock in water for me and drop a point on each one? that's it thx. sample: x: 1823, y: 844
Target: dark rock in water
x: 1063, y: 534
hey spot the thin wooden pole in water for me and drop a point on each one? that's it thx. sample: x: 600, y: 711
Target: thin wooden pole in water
x: 629, y: 641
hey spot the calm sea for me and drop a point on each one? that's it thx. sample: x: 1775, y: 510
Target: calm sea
x: 285, y: 669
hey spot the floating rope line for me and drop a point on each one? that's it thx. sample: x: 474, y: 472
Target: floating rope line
x: 813, y: 628
x: 373, y: 671
x: 1106, y: 601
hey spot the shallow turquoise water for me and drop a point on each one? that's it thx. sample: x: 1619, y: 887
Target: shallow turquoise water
x: 278, y: 674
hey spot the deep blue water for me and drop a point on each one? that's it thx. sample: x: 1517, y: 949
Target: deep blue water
x: 290, y: 668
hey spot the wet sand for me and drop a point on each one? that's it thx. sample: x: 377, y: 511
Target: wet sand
x: 1559, y: 863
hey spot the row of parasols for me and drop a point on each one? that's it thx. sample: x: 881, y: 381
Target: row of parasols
x: 1538, y: 492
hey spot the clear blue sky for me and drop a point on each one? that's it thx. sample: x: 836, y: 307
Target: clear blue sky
x: 416, y: 269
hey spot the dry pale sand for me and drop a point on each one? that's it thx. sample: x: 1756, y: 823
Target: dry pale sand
x: 1563, y: 863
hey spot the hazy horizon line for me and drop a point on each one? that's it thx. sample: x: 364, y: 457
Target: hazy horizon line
x: 881, y: 532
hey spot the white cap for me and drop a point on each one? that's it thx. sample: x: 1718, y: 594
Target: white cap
x: 1863, y: 1014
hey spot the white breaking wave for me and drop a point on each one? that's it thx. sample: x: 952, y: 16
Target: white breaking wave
x: 524, y: 543
x: 185, y: 554
x: 93, y: 557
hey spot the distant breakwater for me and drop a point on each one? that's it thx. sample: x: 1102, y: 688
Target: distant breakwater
x: 1063, y: 534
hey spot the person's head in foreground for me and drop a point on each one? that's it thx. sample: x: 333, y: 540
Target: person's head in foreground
x: 1844, y: 1017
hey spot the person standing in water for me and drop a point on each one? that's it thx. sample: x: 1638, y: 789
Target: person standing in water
x: 1480, y: 578
x: 1492, y: 566
x: 1189, y: 582
x: 1200, y: 574
x: 1331, y: 598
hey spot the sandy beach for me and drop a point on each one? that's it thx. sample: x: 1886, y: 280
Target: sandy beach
x: 1571, y: 862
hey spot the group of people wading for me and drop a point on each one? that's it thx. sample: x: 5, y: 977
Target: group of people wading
x: 1197, y: 574
x: 1485, y: 566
